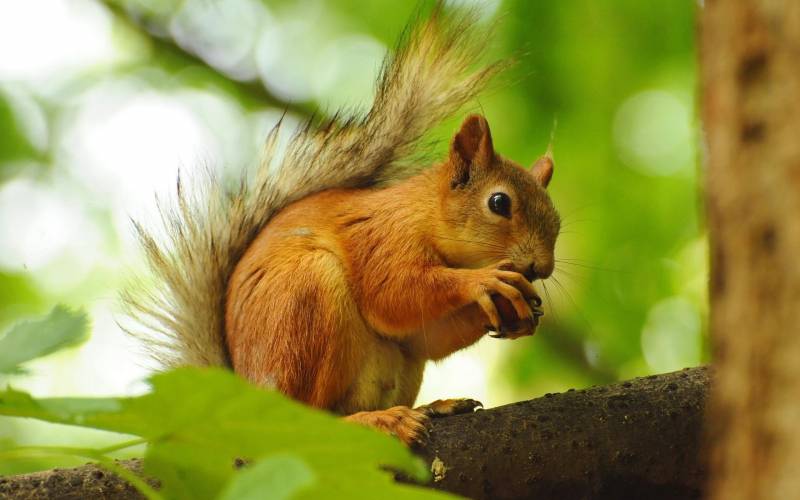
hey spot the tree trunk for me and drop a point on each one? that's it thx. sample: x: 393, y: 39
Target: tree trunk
x: 632, y: 440
x: 750, y: 52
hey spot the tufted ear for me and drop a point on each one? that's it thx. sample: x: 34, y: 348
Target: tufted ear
x: 542, y: 170
x: 471, y: 149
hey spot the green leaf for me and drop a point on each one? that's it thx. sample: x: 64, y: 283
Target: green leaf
x: 199, y: 421
x: 33, y: 339
x: 279, y: 477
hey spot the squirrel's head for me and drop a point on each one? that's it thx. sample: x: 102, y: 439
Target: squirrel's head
x: 493, y: 208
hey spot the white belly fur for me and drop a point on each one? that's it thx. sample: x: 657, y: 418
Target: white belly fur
x: 388, y: 376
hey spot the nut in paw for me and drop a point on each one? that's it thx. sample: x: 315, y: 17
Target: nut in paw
x: 512, y: 326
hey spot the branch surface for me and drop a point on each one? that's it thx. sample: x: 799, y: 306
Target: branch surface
x: 636, y: 439
x: 632, y: 440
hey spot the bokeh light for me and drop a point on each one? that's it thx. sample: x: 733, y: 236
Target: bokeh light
x: 652, y: 131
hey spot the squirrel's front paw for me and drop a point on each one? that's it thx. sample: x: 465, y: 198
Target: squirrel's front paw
x: 410, y: 426
x: 447, y: 407
x: 514, y: 327
x: 500, y: 279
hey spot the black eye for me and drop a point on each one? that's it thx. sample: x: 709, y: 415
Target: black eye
x: 500, y: 203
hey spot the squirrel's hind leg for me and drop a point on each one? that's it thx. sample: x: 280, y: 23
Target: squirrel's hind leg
x: 410, y: 426
x: 291, y: 321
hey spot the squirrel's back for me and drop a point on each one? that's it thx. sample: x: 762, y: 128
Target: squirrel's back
x: 209, y: 226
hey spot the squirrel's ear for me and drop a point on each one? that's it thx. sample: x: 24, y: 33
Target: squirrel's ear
x: 542, y: 170
x: 471, y: 149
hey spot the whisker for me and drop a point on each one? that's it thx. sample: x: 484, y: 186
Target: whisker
x: 567, y: 274
x: 550, y: 303
x: 573, y: 259
x: 588, y: 266
x: 474, y: 242
x: 566, y: 293
x: 578, y: 210
x: 575, y: 221
x: 484, y: 254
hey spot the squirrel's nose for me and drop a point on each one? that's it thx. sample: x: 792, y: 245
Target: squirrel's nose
x: 539, y: 270
x: 530, y: 273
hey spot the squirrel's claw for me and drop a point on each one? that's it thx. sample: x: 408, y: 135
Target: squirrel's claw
x: 447, y: 407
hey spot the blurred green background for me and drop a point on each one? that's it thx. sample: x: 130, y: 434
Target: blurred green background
x: 102, y: 102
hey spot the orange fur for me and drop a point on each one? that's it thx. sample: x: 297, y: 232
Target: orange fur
x: 345, y: 294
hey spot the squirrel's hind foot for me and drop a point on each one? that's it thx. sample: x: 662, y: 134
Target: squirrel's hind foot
x: 447, y: 407
x: 410, y: 426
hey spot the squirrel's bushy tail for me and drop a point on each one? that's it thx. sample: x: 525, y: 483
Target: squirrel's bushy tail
x: 207, y: 228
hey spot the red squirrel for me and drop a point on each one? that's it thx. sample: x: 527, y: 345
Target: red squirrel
x: 340, y: 269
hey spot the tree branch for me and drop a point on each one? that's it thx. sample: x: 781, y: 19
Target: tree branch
x: 166, y: 48
x: 636, y: 439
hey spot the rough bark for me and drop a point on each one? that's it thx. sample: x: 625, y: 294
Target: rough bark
x: 751, y: 110
x: 636, y: 439
x: 88, y: 481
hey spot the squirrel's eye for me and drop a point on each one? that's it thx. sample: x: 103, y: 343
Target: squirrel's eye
x: 500, y: 203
